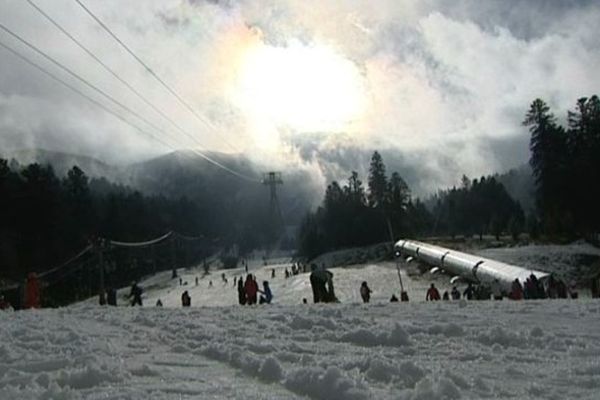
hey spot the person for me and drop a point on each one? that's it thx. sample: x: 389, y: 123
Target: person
x: 573, y: 290
x: 365, y: 292
x: 267, y: 295
x: 32, y: 291
x: 4, y: 305
x: 404, y: 296
x: 446, y: 296
x: 209, y: 284
x: 196, y: 281
x: 111, y: 296
x: 469, y: 292
x: 287, y: 273
x: 241, y: 292
x: 516, y: 290
x: 321, y: 282
x: 251, y: 288
x: 159, y: 303
x: 223, y: 277
x: 561, y: 289
x: 272, y: 273
x: 186, y: 300
x: 135, y: 294
x: 393, y: 299
x: 102, y: 298
x: 496, y: 290
x: 432, y: 294
x: 455, y: 293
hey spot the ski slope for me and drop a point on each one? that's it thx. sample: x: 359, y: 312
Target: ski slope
x: 289, y: 350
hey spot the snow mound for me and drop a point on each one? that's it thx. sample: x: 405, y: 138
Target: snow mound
x: 325, y: 384
x: 364, y: 337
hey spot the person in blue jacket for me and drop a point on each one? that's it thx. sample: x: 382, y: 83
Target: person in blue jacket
x: 267, y: 295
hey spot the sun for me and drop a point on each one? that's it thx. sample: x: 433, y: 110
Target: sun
x: 305, y: 88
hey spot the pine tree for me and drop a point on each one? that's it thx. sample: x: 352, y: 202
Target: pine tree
x: 377, y: 181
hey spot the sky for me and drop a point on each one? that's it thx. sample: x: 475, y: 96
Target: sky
x: 440, y: 88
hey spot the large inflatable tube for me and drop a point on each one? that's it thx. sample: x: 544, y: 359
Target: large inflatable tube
x: 470, y: 267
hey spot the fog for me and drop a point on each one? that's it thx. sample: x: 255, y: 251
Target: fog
x: 439, y: 88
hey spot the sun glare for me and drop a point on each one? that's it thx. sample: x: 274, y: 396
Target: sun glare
x: 304, y: 88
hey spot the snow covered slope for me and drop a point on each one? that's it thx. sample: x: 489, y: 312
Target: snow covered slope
x: 288, y: 350
x: 447, y: 350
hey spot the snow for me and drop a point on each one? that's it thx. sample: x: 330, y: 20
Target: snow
x: 288, y: 350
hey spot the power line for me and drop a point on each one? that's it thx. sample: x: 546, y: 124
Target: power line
x: 151, y: 72
x: 110, y: 70
x: 79, y: 92
x: 106, y: 95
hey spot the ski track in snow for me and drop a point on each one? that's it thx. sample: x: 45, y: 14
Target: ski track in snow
x: 417, y: 350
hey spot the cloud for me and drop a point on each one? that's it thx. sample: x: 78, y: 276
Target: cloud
x: 444, y: 85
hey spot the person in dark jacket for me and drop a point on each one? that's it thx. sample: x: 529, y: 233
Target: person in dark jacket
x: 135, y: 294
x: 432, y: 294
x: 365, y: 292
x: 321, y: 282
x: 186, y: 300
x: 111, y: 296
x: 241, y: 292
x: 455, y: 294
x: 469, y: 292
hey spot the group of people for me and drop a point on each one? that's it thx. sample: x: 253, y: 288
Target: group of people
x: 532, y: 288
x: 248, y: 291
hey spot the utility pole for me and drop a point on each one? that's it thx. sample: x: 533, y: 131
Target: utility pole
x: 272, y: 180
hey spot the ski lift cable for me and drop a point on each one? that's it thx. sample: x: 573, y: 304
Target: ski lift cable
x: 79, y: 77
x: 69, y: 261
x: 151, y: 72
x: 112, y: 72
x: 79, y: 92
x: 97, y: 103
x: 139, y: 244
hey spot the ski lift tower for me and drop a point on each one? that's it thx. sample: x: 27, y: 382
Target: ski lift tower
x: 272, y: 179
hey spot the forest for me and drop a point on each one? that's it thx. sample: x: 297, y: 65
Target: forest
x: 566, y: 166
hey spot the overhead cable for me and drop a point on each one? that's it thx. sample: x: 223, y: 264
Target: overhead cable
x: 151, y: 71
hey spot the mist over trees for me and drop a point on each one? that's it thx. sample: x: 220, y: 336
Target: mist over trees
x: 566, y: 166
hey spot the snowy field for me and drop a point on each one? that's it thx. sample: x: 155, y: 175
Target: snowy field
x: 289, y: 350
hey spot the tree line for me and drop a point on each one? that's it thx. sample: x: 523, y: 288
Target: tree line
x: 352, y: 215
x: 46, y: 219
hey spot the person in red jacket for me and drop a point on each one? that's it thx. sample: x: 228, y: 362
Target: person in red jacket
x: 32, y: 291
x: 432, y: 294
x: 251, y: 288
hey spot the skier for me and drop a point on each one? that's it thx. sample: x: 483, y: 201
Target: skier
x: 251, y: 288
x: 267, y: 294
x: 135, y: 294
x: 446, y: 296
x: 241, y: 292
x: 365, y: 292
x: 186, y: 300
x: 455, y: 294
x: 432, y: 294
x: 272, y: 273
